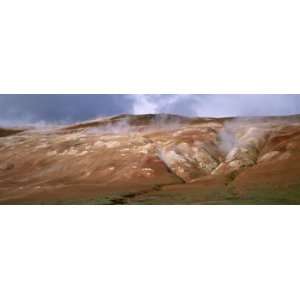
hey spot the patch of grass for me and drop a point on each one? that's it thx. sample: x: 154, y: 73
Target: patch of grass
x: 194, y: 196
x: 262, y: 195
x: 108, y: 200
x: 213, y: 196
x: 288, y: 195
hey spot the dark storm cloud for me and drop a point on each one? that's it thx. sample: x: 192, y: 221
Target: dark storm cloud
x: 20, y: 109
x: 60, y: 108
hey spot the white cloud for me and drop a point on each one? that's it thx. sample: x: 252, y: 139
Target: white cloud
x: 144, y: 104
x: 151, y: 104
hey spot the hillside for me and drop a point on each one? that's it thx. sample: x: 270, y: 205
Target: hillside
x: 153, y: 159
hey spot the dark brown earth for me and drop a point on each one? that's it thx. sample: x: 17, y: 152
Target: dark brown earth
x: 153, y: 159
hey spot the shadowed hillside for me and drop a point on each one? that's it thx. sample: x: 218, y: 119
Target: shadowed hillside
x: 7, y: 132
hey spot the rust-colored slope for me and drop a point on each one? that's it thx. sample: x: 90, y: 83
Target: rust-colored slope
x: 156, y: 159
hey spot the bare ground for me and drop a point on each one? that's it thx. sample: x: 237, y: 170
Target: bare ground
x: 153, y: 159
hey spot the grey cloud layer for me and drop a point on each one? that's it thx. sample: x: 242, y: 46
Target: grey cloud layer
x: 72, y: 108
x: 219, y: 105
x: 59, y: 108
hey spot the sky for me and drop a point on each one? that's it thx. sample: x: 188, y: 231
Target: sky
x: 25, y: 109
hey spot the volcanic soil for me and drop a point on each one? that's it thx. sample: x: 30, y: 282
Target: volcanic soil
x: 153, y: 159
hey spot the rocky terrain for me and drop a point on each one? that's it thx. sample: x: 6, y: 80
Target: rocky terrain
x: 153, y: 159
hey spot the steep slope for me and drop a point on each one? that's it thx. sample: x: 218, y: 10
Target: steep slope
x: 156, y: 159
